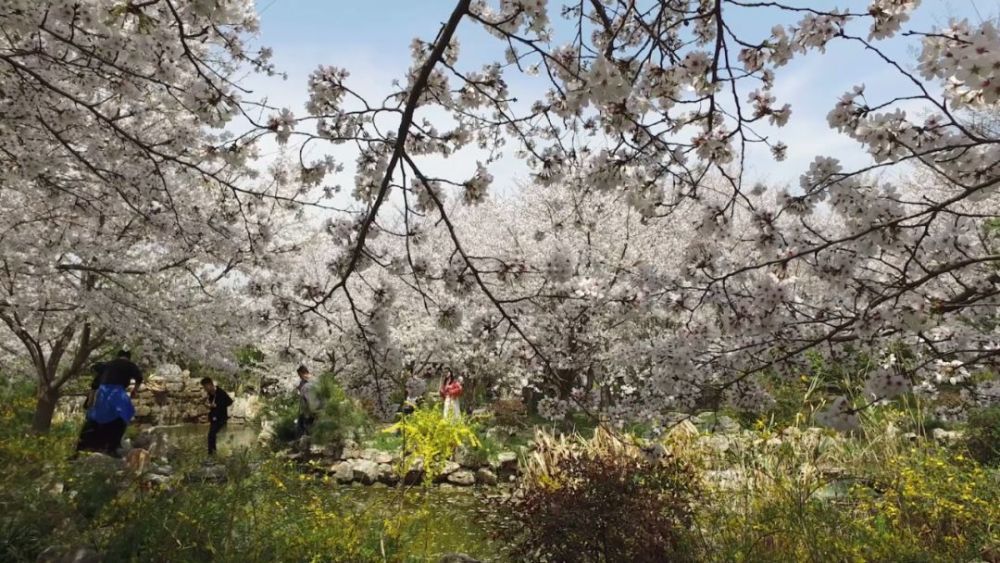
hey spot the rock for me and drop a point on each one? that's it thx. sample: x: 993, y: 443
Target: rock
x: 946, y: 437
x: 683, y: 429
x: 351, y: 450
x: 725, y: 479
x: 99, y: 462
x: 343, y: 472
x: 832, y: 472
x: 212, y: 473
x: 911, y: 436
x: 365, y: 471
x: 457, y: 558
x: 144, y: 440
x: 485, y: 477
x: 717, y: 442
x: 415, y: 474
x: 267, y: 434
x: 839, y: 489
x: 386, y: 474
x: 462, y: 477
x: 245, y: 408
x: 333, y: 452
x: 506, y: 465
x: 449, y: 468
x: 377, y: 456
x: 673, y: 418
x: 164, y: 470
x: 714, y: 422
x: 470, y: 459
x: 69, y: 555
x: 655, y: 452
x: 156, y: 479
x: 290, y: 455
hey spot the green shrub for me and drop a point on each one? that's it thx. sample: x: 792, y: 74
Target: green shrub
x: 281, y: 412
x: 385, y: 442
x: 341, y: 417
x: 982, y: 435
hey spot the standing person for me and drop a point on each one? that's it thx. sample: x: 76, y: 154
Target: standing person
x: 112, y: 409
x: 309, y: 403
x: 416, y: 386
x: 90, y: 435
x: 218, y: 411
x: 451, y: 390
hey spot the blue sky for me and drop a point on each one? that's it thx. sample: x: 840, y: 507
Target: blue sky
x: 371, y: 39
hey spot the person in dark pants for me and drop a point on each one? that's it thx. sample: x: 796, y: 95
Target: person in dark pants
x: 90, y: 435
x: 309, y: 401
x: 112, y: 410
x: 218, y: 413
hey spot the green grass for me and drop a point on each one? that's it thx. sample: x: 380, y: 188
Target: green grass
x: 384, y: 441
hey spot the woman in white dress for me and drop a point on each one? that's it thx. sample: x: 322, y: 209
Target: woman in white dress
x: 451, y: 391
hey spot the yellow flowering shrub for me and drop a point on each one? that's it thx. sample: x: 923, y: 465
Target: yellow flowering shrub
x: 431, y: 437
x: 947, y: 501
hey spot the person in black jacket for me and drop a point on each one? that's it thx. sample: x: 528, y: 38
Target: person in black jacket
x: 109, y: 404
x: 218, y: 413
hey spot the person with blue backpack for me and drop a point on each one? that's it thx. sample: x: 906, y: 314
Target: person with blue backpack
x: 110, y: 410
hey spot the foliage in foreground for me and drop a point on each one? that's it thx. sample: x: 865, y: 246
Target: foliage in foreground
x: 757, y: 495
x: 808, y: 495
x: 270, y: 511
x: 601, y: 499
x: 261, y: 510
x: 766, y: 494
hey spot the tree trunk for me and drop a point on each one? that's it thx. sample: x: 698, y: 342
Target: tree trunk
x: 44, y: 409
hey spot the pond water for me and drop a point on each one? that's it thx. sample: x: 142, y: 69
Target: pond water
x: 194, y: 437
x: 451, y: 518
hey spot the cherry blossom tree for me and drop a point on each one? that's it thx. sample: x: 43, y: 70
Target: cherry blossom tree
x: 642, y: 268
x: 127, y: 213
x: 662, y: 104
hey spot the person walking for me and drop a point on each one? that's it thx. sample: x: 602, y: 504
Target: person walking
x: 218, y: 411
x: 90, y: 435
x: 451, y: 391
x: 309, y: 402
x: 112, y: 408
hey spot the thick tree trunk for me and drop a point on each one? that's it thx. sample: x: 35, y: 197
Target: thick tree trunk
x: 44, y: 409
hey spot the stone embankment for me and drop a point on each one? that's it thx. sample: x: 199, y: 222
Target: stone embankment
x: 178, y: 398
x: 173, y: 397
x: 351, y: 464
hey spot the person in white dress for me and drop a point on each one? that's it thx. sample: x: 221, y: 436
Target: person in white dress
x: 451, y: 392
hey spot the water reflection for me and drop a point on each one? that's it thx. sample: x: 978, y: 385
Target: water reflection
x: 194, y: 437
